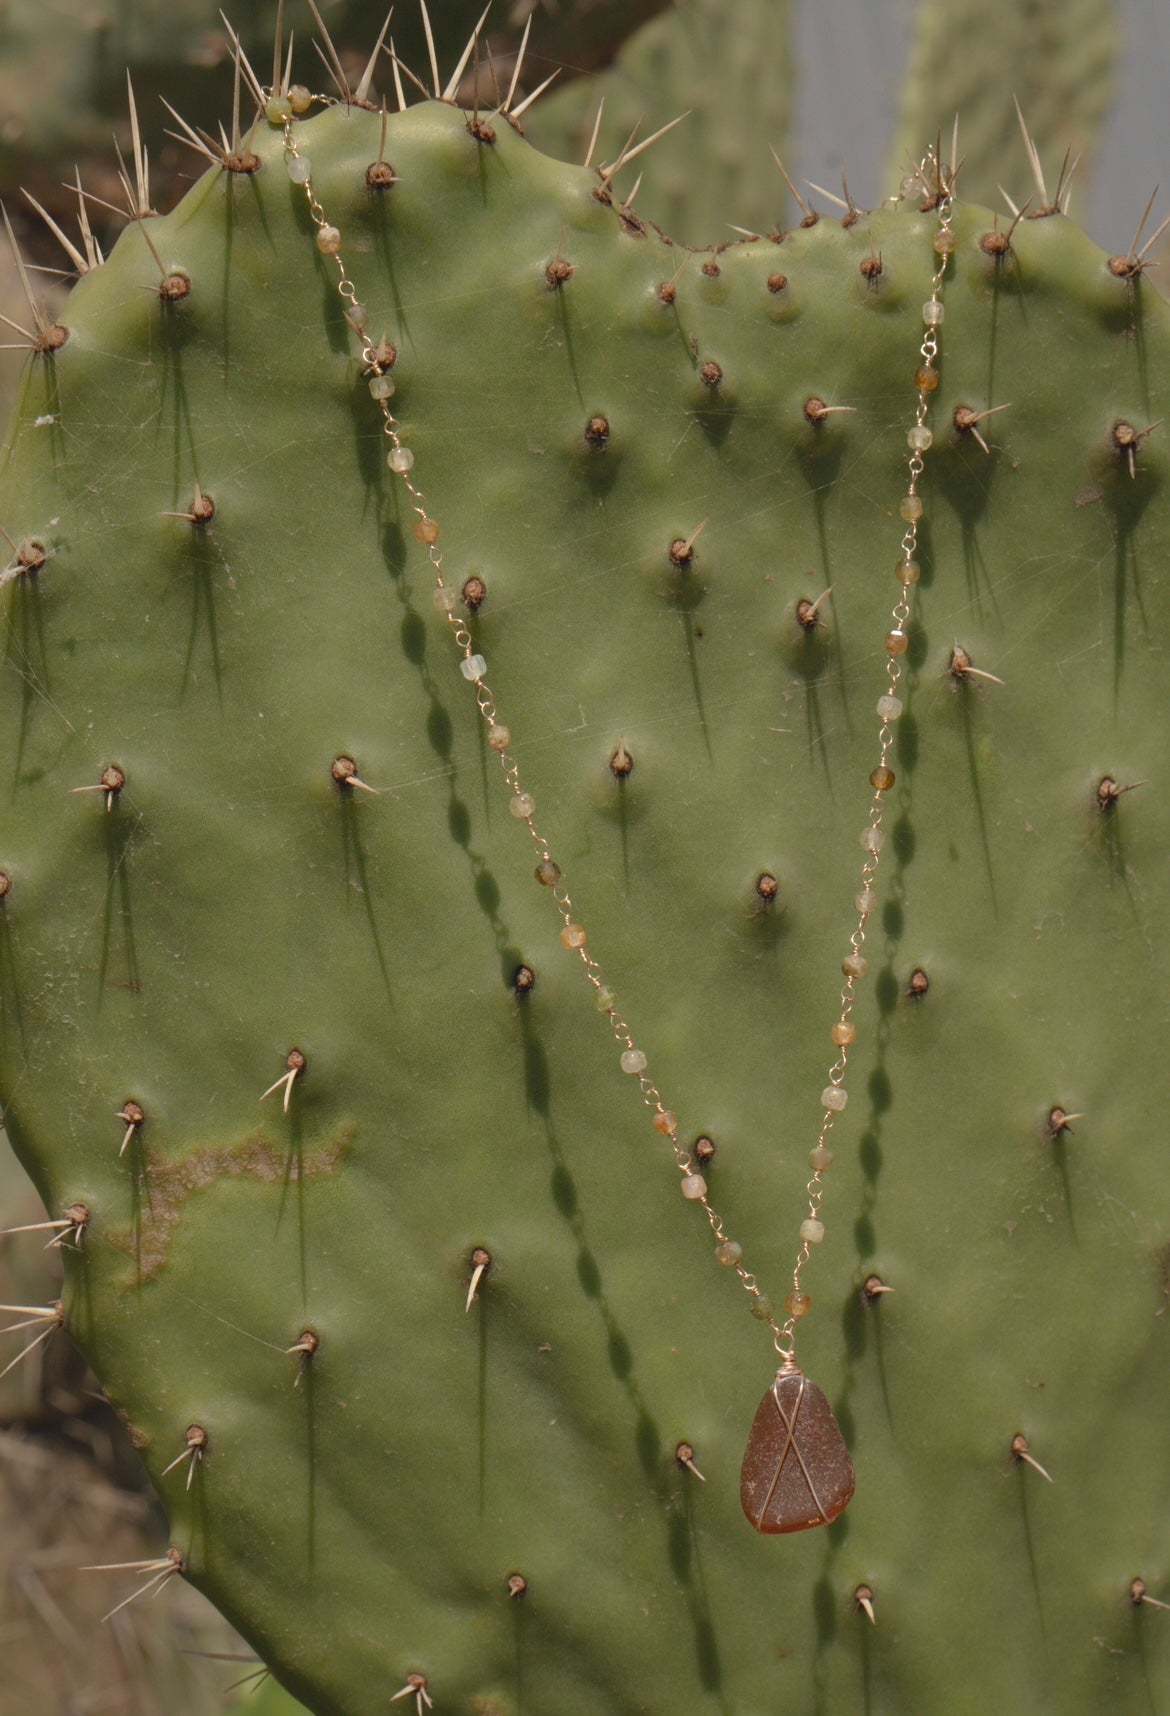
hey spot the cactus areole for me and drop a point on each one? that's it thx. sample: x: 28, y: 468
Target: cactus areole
x: 380, y: 1257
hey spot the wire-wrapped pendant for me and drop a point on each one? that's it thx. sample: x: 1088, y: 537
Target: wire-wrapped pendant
x: 796, y: 1471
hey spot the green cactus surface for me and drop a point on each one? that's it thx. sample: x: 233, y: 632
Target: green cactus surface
x: 359, y: 1512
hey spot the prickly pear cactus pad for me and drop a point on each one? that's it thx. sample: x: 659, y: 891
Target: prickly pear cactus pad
x: 215, y: 593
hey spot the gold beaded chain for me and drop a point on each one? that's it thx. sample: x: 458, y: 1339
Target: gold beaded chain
x: 935, y: 180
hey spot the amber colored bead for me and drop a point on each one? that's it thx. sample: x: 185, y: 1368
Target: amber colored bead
x: 926, y: 379
x: 426, y: 530
x: 882, y: 778
x: 798, y: 1304
x: 843, y: 1033
x: 896, y: 643
x: 548, y: 874
x: 666, y: 1123
x: 572, y: 937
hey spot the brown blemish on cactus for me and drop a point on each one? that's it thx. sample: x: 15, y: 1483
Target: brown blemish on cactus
x: 864, y: 1604
x: 597, y: 433
x: 523, y: 979
x: 621, y: 763
x: 380, y: 175
x: 711, y: 269
x: 481, y: 130
x: 871, y: 267
x: 481, y: 1262
x: 1108, y: 792
x: 777, y: 283
x: 557, y: 272
x: 1138, y: 1594
x: 171, y: 1183
x: 5, y: 884
x: 473, y: 594
x: 711, y: 374
x: 685, y: 1455
x: 918, y: 985
x: 704, y: 1148
x: 872, y: 1289
x: 767, y: 887
x: 517, y: 1585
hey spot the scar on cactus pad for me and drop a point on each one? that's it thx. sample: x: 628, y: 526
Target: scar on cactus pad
x: 380, y: 1461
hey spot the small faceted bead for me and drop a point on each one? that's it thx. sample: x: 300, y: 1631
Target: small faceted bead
x: 381, y: 387
x: 820, y: 1158
x: 908, y: 572
x: 911, y: 508
x: 865, y: 901
x: 812, y: 1231
x: 300, y: 99
x: 926, y: 379
x: 798, y: 1304
x: 426, y: 530
x: 666, y: 1123
x: 548, y: 875
x: 729, y: 1253
x: 889, y: 708
x: 843, y: 1033
x: 834, y: 1098
x: 499, y: 737
x: 919, y: 439
x: 446, y: 600
x: 300, y: 169
x: 853, y: 965
x: 873, y: 839
x: 911, y: 186
x: 328, y: 240
x: 605, y: 1000
x: 694, y: 1186
x: 882, y: 778
x: 278, y: 109
x: 572, y: 937
x: 944, y: 242
x: 633, y: 1061
x: 932, y: 313
x: 473, y: 667
x: 521, y: 805
x: 357, y: 316
x: 400, y: 459
x: 763, y: 1308
x: 896, y: 642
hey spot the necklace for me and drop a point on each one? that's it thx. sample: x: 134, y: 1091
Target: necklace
x: 797, y: 1472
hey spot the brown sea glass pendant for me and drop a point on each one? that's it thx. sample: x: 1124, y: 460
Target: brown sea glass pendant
x: 796, y: 1471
